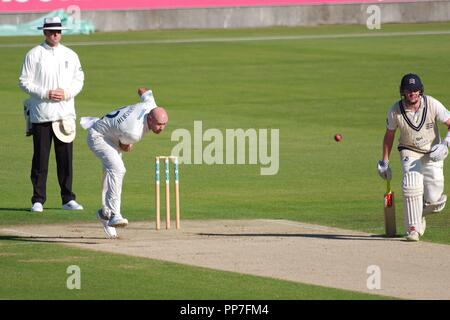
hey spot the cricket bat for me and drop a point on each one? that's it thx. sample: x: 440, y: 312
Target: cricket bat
x: 389, y: 211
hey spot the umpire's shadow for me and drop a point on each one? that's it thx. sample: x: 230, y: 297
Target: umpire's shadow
x: 27, y: 209
x: 16, y: 209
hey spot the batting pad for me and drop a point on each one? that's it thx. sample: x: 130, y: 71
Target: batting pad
x: 413, y: 199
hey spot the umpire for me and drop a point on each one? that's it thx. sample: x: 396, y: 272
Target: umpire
x: 52, y: 76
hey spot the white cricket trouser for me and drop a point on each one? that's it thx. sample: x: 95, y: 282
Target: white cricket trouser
x: 429, y: 177
x: 433, y: 175
x: 113, y: 170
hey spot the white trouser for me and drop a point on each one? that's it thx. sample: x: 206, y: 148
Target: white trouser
x: 433, y: 175
x: 430, y: 176
x: 113, y: 170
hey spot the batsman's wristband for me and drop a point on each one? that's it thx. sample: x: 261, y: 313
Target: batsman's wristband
x: 447, y: 139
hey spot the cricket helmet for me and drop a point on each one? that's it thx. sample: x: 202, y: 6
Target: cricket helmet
x: 411, y: 82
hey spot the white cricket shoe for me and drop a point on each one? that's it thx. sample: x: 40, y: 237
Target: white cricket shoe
x: 37, y: 207
x: 110, y: 231
x: 412, y: 234
x: 117, y: 221
x: 72, y: 205
x: 423, y: 226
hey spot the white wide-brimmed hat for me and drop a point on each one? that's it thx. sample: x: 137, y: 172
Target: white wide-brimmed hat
x: 64, y: 130
x: 53, y: 23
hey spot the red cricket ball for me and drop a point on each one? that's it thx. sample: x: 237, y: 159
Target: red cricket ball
x: 338, y: 137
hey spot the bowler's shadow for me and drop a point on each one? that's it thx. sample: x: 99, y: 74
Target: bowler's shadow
x: 374, y: 237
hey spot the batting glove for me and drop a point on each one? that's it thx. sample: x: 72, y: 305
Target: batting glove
x: 384, y: 170
x: 439, y: 152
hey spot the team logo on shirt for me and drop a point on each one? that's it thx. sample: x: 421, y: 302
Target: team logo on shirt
x: 429, y: 125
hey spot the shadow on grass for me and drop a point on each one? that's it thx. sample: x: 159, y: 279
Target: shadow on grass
x: 307, y: 235
x: 59, y: 239
x: 27, y: 209
x: 16, y: 209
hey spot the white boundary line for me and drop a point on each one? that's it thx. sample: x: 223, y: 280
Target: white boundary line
x: 241, y: 39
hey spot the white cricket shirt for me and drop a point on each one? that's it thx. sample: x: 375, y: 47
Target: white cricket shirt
x: 127, y: 124
x: 46, y: 68
x: 418, y: 130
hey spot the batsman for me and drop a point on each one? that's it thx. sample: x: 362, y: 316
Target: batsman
x: 422, y: 153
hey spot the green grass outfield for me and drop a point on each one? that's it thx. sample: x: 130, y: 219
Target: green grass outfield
x: 309, y: 83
